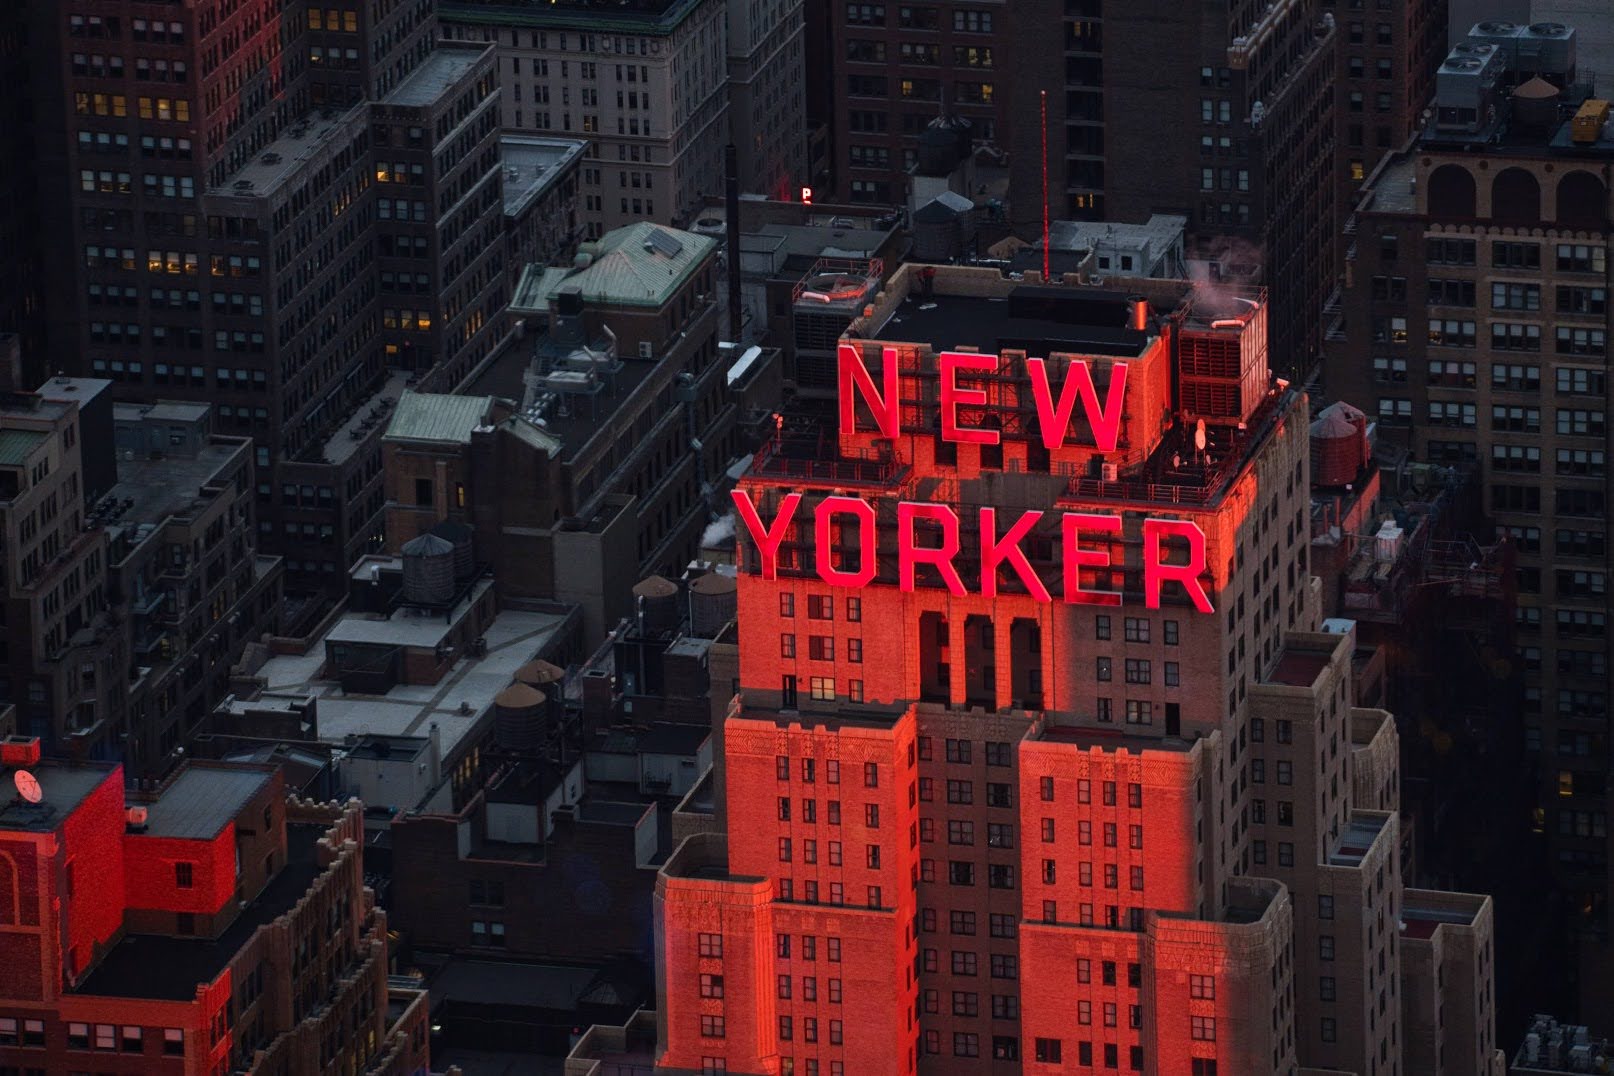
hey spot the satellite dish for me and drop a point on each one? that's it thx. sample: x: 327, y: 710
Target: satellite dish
x: 28, y: 786
x: 1199, y: 435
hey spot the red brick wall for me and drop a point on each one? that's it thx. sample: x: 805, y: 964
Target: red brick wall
x: 27, y: 925
x: 741, y: 914
x: 149, y: 870
x: 92, y: 849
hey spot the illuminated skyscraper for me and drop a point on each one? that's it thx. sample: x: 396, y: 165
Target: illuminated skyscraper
x: 1039, y: 757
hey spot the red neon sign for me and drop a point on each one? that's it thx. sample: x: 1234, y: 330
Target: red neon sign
x: 1161, y: 537
x: 806, y: 196
x: 1053, y: 417
x: 929, y: 534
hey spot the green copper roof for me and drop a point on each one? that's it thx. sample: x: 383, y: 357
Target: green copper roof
x: 641, y: 264
x: 15, y: 445
x: 430, y: 416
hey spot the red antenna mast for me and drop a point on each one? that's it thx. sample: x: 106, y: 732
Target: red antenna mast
x: 1045, y: 186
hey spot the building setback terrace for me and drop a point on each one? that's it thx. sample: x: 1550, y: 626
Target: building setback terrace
x: 164, y: 968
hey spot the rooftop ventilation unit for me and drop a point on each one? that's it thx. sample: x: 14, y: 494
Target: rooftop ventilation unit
x: 1546, y: 48
x: 1504, y: 35
x: 1465, y: 86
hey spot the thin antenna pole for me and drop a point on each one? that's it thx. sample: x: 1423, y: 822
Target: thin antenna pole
x: 1045, y: 186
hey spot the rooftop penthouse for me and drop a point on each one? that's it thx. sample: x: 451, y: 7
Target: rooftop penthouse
x: 1194, y: 400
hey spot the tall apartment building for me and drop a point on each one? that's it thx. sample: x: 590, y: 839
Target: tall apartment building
x: 21, y: 273
x: 281, y: 211
x: 1478, y: 323
x: 1385, y: 79
x: 184, y: 571
x: 1046, y: 768
x: 1226, y: 119
x: 208, y: 925
x: 133, y: 578
x: 66, y: 663
x: 895, y: 69
x: 768, y: 96
x: 645, y: 82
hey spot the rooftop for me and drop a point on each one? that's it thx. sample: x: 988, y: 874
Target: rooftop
x: 1394, y: 187
x: 399, y: 748
x: 1152, y: 236
x: 488, y: 1062
x: 64, y: 786
x: 614, y: 813
x: 268, y: 701
x: 78, y: 389
x: 1298, y: 667
x: 1553, y: 1047
x: 555, y: 987
x: 160, y: 967
x: 149, y: 492
x: 202, y: 800
x: 367, y: 414
x: 1515, y: 139
x: 506, y: 377
x: 300, y: 767
x: 431, y: 416
x: 534, y: 287
x: 1357, y: 839
x: 445, y: 65
x: 407, y: 626
x: 1111, y: 739
x: 532, y: 165
x: 513, y: 638
x: 526, y: 781
x: 640, y: 264
x: 772, y: 248
x: 283, y: 158
x: 16, y: 445
x: 701, y: 799
x: 661, y: 738
x: 629, y: 1048
x: 162, y: 411
x: 1422, y: 922
x: 30, y: 406
x: 1038, y: 320
x: 637, y: 15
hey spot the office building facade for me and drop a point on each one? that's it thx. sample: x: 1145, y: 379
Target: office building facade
x: 895, y: 69
x: 645, y: 83
x: 281, y: 212
x: 1477, y: 328
x: 66, y: 661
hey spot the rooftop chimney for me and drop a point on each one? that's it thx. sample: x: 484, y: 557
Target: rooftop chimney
x: 18, y: 752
